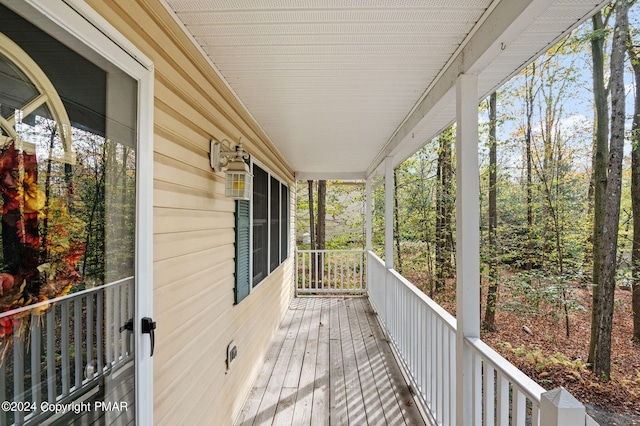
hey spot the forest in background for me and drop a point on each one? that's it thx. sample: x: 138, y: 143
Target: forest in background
x: 559, y: 165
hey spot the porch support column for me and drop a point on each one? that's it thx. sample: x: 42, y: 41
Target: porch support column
x: 467, y: 244
x: 388, y: 213
x: 368, y: 215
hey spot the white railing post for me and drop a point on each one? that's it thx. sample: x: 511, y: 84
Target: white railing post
x: 467, y: 243
x: 559, y: 408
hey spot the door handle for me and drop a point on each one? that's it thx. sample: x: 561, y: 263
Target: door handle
x: 148, y: 327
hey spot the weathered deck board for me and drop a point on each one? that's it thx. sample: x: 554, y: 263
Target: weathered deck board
x: 330, y: 365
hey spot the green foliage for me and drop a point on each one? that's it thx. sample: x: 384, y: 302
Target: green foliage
x: 535, y: 357
x: 344, y: 214
x: 535, y: 294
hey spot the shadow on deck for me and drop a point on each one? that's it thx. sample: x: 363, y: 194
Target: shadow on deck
x: 330, y: 364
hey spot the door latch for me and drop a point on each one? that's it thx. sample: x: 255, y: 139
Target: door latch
x: 148, y: 327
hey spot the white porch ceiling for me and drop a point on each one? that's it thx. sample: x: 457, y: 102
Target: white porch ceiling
x: 338, y: 85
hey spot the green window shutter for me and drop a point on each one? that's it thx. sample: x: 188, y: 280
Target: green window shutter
x: 243, y: 232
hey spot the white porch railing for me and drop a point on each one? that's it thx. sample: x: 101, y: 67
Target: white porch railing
x: 330, y: 272
x: 423, y: 335
x: 67, y: 352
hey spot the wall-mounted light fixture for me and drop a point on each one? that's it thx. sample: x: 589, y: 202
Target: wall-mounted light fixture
x: 229, y: 159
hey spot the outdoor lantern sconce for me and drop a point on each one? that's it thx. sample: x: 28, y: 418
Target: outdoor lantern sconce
x: 229, y: 159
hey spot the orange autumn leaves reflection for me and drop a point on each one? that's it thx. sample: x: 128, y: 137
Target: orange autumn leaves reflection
x: 32, y: 271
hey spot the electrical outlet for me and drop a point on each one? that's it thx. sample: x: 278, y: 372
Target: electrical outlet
x: 232, y: 353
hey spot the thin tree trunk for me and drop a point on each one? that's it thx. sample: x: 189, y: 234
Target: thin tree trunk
x: 47, y: 192
x: 321, y: 224
x: 528, y: 141
x: 599, y: 168
x: 606, y: 278
x: 100, y: 177
x: 396, y: 228
x: 635, y: 192
x: 322, y: 209
x: 312, y: 232
x: 449, y: 202
x: 440, y: 214
x: 492, y: 294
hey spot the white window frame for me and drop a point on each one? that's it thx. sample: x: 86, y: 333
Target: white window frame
x: 90, y: 30
x: 270, y: 174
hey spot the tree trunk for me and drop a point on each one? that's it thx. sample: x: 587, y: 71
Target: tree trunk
x: 439, y: 230
x: 635, y: 192
x: 322, y: 209
x: 606, y: 278
x: 47, y: 193
x: 529, y: 115
x: 396, y: 228
x: 312, y: 232
x: 449, y: 202
x: 444, y: 211
x: 492, y: 295
x: 599, y: 167
x: 321, y: 224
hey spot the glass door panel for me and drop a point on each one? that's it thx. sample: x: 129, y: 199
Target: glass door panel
x: 67, y: 243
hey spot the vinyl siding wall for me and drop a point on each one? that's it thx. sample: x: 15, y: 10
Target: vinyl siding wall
x: 194, y: 230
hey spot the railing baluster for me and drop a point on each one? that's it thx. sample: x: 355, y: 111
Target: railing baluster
x: 428, y: 358
x: 124, y: 317
x: 353, y: 282
x: 77, y: 341
x: 114, y: 324
x: 301, y: 278
x: 535, y: 413
x: 477, y: 388
x: 108, y: 294
x: 317, y: 267
x: 18, y: 372
x: 99, y: 331
x: 89, y: 338
x: 439, y: 368
x: 51, y: 360
x: 362, y: 260
x: 502, y: 400
x: 347, y: 273
x: 330, y: 282
x: 452, y: 374
x: 446, y: 367
x: 36, y: 353
x: 321, y: 269
x: 132, y: 301
x: 519, y: 406
x: 310, y: 271
x: 489, y: 395
x: 64, y: 347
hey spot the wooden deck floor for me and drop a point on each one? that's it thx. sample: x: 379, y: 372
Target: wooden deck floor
x: 330, y: 364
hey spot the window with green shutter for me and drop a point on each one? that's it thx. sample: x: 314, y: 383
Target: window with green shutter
x: 262, y: 232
